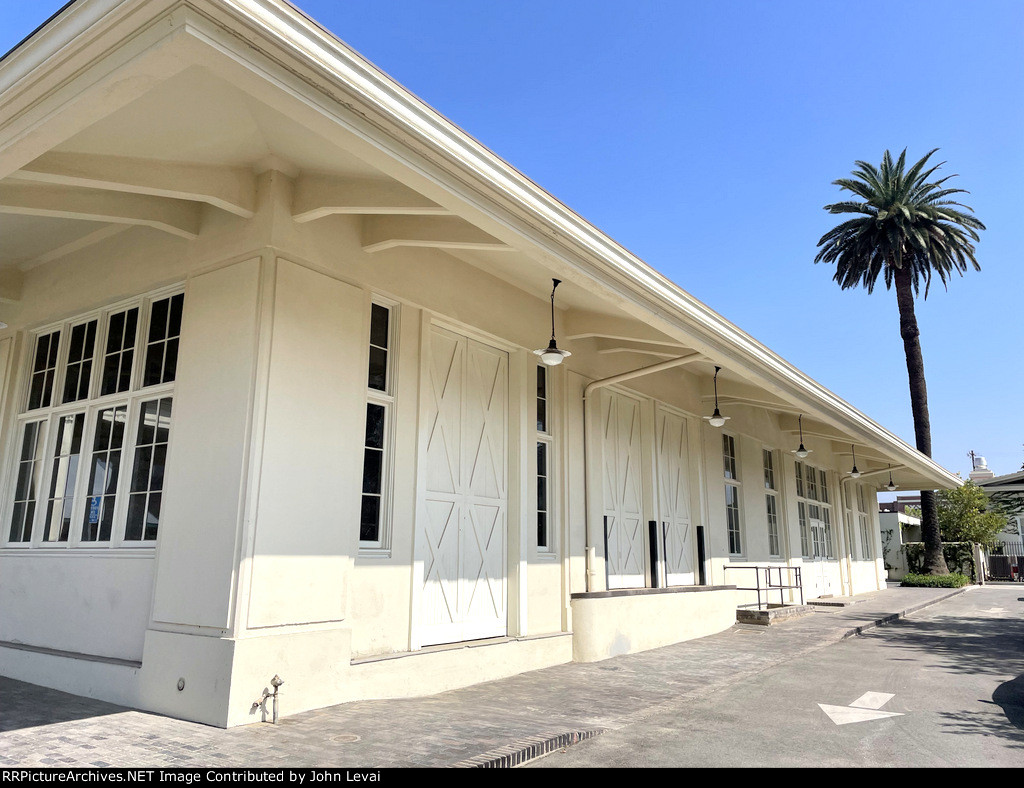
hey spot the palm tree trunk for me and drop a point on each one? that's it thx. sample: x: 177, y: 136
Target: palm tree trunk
x: 934, y: 562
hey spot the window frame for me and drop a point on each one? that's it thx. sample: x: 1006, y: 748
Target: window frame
x: 546, y: 437
x: 867, y: 551
x: 387, y: 399
x: 817, y: 480
x: 50, y: 417
x: 773, y: 500
x: 734, y: 482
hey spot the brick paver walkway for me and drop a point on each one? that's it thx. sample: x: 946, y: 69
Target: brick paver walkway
x: 42, y: 727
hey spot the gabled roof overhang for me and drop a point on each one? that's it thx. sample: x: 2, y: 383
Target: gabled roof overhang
x: 98, y: 55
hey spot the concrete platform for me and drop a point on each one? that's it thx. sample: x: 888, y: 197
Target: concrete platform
x: 774, y: 614
x: 502, y: 722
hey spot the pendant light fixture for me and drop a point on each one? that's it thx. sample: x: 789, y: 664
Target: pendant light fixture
x: 854, y: 474
x: 552, y: 355
x: 716, y: 419
x: 891, y: 487
x: 801, y: 452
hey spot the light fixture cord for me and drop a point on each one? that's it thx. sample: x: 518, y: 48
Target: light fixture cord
x: 716, y: 387
x: 557, y: 282
x: 800, y: 420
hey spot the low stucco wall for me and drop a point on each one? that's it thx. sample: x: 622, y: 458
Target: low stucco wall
x: 609, y: 623
x: 445, y: 668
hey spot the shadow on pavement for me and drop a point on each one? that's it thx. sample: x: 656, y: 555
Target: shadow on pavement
x: 971, y: 645
x: 30, y: 706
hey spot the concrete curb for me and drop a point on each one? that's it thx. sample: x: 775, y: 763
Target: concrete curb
x: 854, y: 631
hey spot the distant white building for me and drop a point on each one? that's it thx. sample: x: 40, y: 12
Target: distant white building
x: 897, y: 529
x: 269, y: 401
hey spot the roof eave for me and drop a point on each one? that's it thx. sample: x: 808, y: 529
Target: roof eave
x: 562, y: 232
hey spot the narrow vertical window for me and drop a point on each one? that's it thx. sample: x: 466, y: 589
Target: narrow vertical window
x: 542, y: 495
x: 822, y: 487
x: 805, y: 542
x: 78, y: 370
x: 867, y: 553
x: 67, y: 452
x: 373, y: 512
x: 771, y: 504
x: 544, y: 457
x: 147, y: 481
x: 732, y: 495
x: 800, y: 479
x: 772, y: 507
x: 373, y: 473
x: 44, y: 369
x: 26, y: 491
x: 104, y: 468
x: 162, y: 342
x: 826, y: 517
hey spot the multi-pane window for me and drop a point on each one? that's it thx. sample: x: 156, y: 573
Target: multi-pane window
x: 373, y: 513
x: 78, y: 370
x: 153, y: 430
x: 805, y: 531
x: 30, y: 479
x: 104, y: 467
x: 44, y: 369
x: 732, y: 495
x: 162, y: 343
x: 865, y: 532
x: 544, y: 457
x: 95, y: 427
x: 815, y: 512
x: 771, y: 502
x: 120, y: 351
x: 67, y: 452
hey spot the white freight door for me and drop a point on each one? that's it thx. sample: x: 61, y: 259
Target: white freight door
x: 674, y: 497
x: 461, y: 534
x: 623, y: 486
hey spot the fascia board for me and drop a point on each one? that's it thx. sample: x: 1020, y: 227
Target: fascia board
x: 288, y: 36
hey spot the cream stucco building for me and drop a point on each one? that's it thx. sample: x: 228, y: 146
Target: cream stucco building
x: 269, y: 401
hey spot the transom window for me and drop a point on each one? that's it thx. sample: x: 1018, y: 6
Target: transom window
x: 95, y: 427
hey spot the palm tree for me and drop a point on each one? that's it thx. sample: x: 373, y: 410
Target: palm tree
x: 907, y: 230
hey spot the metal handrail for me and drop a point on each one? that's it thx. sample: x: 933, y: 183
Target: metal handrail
x: 770, y: 586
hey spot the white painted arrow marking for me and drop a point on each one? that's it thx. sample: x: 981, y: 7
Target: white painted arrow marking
x: 844, y: 715
x: 864, y: 709
x: 873, y: 700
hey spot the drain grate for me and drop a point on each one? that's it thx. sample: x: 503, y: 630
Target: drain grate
x: 524, y: 750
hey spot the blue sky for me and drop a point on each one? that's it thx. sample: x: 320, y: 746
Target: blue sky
x: 705, y: 136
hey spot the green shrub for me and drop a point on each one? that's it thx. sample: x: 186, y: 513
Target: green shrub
x: 959, y: 557
x: 952, y: 580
